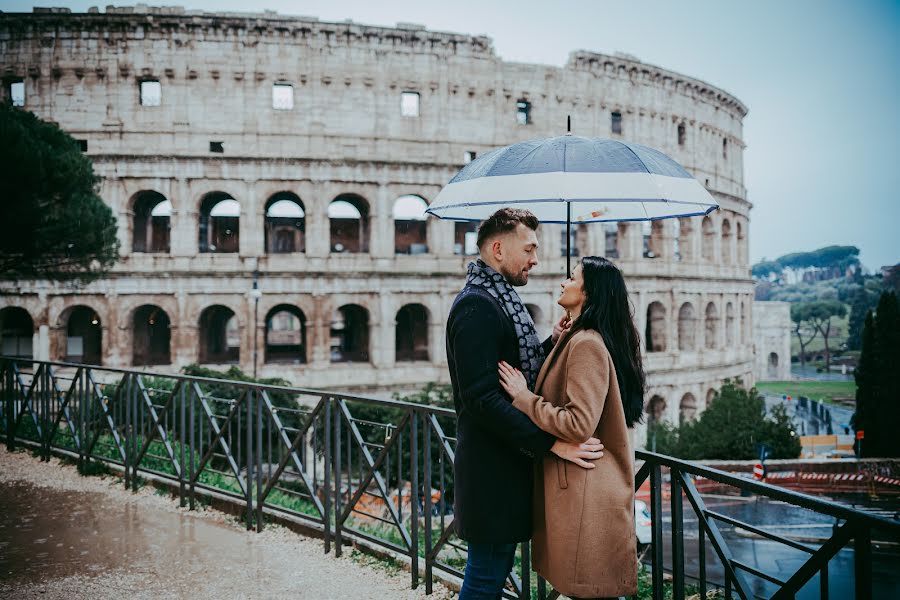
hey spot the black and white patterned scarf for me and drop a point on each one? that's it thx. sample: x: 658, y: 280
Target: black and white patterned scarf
x: 531, y: 353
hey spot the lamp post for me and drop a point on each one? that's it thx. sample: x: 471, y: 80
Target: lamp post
x: 255, y: 293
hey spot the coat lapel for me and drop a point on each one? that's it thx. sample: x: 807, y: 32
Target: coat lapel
x: 551, y: 358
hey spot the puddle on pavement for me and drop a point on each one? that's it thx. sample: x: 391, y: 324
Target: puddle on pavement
x: 47, y: 533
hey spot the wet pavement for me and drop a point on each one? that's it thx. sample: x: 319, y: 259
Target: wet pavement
x: 71, y: 537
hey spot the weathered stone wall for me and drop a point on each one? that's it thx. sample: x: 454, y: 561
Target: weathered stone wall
x: 345, y: 134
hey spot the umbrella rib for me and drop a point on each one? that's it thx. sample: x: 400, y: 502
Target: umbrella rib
x: 639, y: 159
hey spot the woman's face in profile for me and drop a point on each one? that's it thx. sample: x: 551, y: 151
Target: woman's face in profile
x: 572, y: 296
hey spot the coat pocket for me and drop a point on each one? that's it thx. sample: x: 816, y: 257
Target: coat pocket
x: 561, y: 473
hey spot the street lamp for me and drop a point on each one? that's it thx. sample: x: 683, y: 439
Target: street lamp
x: 255, y: 293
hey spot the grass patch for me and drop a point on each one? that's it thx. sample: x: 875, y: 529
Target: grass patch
x: 827, y: 391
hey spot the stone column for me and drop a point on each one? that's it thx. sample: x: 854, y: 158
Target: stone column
x: 318, y: 227
x: 320, y: 330
x: 184, y: 233
x: 250, y: 227
x: 185, y: 337
x: 381, y: 225
x: 382, y: 333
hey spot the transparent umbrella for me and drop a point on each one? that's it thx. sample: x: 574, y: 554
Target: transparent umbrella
x: 572, y: 179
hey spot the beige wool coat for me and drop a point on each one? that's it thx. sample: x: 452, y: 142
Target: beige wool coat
x: 584, y: 540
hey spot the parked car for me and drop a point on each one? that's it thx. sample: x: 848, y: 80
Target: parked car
x: 642, y: 521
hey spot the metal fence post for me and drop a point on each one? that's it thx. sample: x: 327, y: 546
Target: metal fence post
x: 414, y: 496
x: 326, y: 476
x: 427, y: 504
x: 677, y: 536
x: 248, y: 456
x: 337, y: 477
x: 862, y: 562
x: 259, y: 451
x: 656, y: 531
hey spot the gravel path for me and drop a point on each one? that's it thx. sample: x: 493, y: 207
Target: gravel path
x: 71, y: 537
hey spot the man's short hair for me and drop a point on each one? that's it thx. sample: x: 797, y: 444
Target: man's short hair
x: 504, y: 221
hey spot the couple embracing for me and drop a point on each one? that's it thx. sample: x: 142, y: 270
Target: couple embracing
x: 531, y: 418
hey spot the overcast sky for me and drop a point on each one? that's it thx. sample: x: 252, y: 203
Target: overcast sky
x: 821, y: 79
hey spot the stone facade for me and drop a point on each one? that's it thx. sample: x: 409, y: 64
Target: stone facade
x: 180, y: 110
x: 772, y: 346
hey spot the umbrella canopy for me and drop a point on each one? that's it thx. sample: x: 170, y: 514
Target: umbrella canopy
x: 572, y: 179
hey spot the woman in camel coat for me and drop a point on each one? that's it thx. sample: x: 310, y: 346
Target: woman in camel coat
x: 591, y: 384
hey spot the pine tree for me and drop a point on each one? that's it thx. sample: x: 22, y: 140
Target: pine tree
x: 887, y: 369
x: 865, y: 389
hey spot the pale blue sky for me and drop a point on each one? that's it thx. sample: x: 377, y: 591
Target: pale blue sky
x: 821, y: 79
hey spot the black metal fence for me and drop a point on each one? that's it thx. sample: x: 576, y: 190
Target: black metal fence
x: 377, y: 472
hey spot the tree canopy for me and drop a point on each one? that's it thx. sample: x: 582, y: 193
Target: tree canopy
x: 730, y: 428
x: 53, y: 223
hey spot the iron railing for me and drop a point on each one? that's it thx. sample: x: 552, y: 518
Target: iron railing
x: 377, y: 473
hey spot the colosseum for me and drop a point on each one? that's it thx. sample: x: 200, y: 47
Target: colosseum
x: 270, y: 176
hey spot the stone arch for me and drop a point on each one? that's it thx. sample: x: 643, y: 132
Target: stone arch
x: 655, y: 332
x: 16, y: 332
x: 708, y: 230
x: 411, y: 333
x: 151, y: 222
x: 219, y: 335
x: 219, y: 227
x: 350, y: 334
x: 410, y: 231
x: 465, y: 237
x: 652, y: 232
x: 612, y: 232
x: 710, y: 396
x: 726, y: 241
x: 687, y: 408
x: 348, y: 215
x: 712, y: 326
x: 151, y: 336
x: 285, y: 337
x: 729, y: 325
x: 772, y: 364
x: 285, y: 229
x: 80, y: 335
x: 687, y: 327
x: 741, y: 242
x: 656, y: 410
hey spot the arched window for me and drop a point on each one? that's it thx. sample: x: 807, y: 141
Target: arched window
x: 656, y: 408
x: 285, y: 335
x: 687, y: 327
x: 350, y: 334
x: 710, y: 396
x: 726, y: 242
x: 220, y: 338
x: 712, y: 325
x: 685, y: 243
x: 152, y: 221
x: 743, y: 323
x: 653, y: 238
x: 709, y: 237
x: 151, y: 336
x: 349, y: 218
x: 219, y: 223
x: 729, y: 325
x: 285, y: 224
x: 465, y: 238
x: 773, y: 365
x: 741, y: 247
x: 16, y: 332
x: 687, y: 409
x: 682, y: 134
x: 655, y: 333
x: 410, y: 234
x: 84, y: 335
x: 412, y: 333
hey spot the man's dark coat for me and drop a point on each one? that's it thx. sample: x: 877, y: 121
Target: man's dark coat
x: 496, y: 443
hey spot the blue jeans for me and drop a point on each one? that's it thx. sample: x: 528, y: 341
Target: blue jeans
x: 486, y: 571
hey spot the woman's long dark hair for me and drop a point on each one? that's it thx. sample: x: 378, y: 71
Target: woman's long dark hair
x: 608, y: 311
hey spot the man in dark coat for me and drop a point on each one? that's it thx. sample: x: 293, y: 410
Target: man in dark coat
x: 496, y: 443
